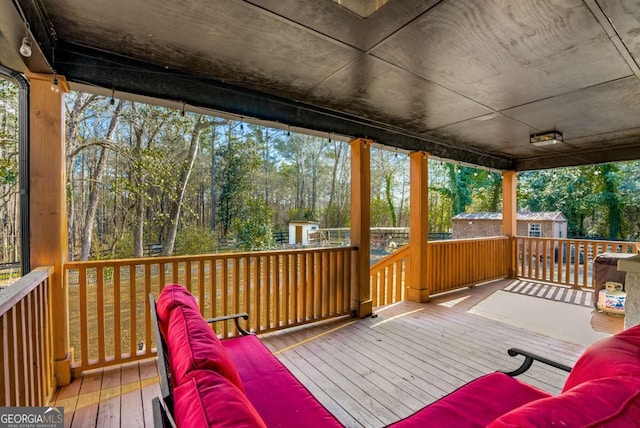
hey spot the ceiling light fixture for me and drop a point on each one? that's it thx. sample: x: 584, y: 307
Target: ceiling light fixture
x: 25, y: 47
x: 546, y: 138
x: 112, y: 101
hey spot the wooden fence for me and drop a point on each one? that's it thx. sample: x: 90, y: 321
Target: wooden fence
x: 109, y: 320
x: 26, y: 341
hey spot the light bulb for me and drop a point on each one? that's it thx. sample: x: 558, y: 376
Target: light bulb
x: 25, y: 47
x: 54, y: 85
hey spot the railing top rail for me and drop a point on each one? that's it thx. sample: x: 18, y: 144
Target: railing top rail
x: 604, y: 241
x: 199, y: 257
x: 12, y: 294
x: 391, y: 258
x: 453, y: 241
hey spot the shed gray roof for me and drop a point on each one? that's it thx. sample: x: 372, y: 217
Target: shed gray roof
x: 525, y: 216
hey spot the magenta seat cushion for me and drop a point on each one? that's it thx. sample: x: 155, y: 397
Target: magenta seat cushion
x: 172, y: 296
x: 193, y: 345
x: 280, y: 399
x: 618, y: 355
x: 475, y: 404
x: 608, y: 402
x: 207, y: 399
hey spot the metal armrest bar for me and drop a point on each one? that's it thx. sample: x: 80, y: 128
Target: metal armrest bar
x: 236, y: 320
x: 529, y: 358
x: 161, y: 417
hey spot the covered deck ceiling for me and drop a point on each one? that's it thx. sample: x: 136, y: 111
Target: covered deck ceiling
x: 466, y: 80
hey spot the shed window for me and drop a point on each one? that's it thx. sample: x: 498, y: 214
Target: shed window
x: 535, y: 230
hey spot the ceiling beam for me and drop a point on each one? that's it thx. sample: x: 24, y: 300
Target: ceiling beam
x: 103, y: 69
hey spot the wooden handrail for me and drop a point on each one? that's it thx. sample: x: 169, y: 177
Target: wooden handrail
x: 11, y: 295
x: 26, y: 342
x: 451, y: 265
x: 110, y: 321
x: 387, y: 277
x: 460, y: 263
x: 563, y: 261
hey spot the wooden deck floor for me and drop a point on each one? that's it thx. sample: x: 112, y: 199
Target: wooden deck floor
x: 368, y: 372
x: 118, y: 396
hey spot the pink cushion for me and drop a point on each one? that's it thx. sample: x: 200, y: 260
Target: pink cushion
x: 172, y: 296
x: 608, y: 402
x: 280, y: 399
x: 192, y: 345
x: 206, y: 399
x: 475, y: 404
x: 613, y: 356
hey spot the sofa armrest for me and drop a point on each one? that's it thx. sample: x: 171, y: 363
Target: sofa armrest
x: 529, y: 358
x: 236, y: 320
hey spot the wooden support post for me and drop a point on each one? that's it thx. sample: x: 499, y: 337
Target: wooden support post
x: 48, y: 214
x: 360, y: 226
x: 418, y: 283
x: 509, y: 216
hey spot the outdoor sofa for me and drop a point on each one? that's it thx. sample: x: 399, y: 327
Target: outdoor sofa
x: 238, y: 382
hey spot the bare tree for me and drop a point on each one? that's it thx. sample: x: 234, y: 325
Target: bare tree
x: 185, y: 173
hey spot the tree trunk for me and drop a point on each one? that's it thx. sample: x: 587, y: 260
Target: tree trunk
x: 337, y: 151
x: 80, y: 103
x: 96, y: 178
x: 176, y: 203
x: 214, y: 187
x: 392, y: 210
x: 137, y: 179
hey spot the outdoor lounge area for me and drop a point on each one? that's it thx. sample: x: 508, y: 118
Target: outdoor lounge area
x: 502, y: 86
x: 369, y: 372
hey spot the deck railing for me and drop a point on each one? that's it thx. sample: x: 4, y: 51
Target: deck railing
x: 566, y: 262
x: 451, y: 265
x: 387, y: 278
x: 110, y: 321
x: 26, y: 341
x: 459, y: 263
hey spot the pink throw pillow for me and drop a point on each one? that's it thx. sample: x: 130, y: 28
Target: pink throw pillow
x: 172, y: 296
x: 192, y: 345
x: 206, y: 399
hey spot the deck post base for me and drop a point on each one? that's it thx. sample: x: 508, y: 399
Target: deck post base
x: 365, y: 308
x: 419, y: 295
x: 62, y: 371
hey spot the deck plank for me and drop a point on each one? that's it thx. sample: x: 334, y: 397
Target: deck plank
x: 86, y: 412
x: 150, y: 388
x: 109, y: 411
x: 131, y: 411
x: 67, y: 397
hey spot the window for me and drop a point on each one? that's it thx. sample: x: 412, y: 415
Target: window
x: 13, y: 214
x: 535, y: 230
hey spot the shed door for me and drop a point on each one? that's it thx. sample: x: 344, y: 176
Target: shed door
x: 298, y: 234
